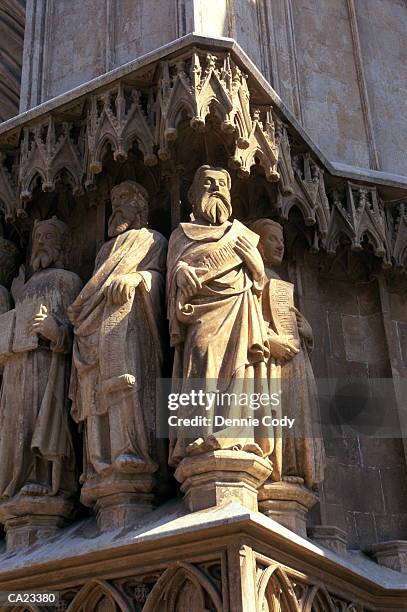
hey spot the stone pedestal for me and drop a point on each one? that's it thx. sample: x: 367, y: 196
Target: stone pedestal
x: 119, y: 499
x: 329, y: 536
x: 392, y: 554
x: 208, y: 479
x: 287, y: 503
x: 29, y: 519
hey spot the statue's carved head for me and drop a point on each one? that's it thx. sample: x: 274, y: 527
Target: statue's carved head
x: 50, y: 244
x: 130, y: 208
x: 271, y: 245
x: 210, y: 195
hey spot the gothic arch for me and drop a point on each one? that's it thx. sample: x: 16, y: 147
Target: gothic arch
x: 317, y: 599
x: 182, y: 584
x: 275, y: 592
x: 98, y: 594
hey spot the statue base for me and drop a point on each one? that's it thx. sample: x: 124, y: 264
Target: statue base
x: 391, y: 554
x: 208, y: 479
x: 120, y: 498
x: 287, y: 503
x: 329, y: 536
x: 29, y: 519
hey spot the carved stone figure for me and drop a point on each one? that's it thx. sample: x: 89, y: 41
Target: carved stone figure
x: 298, y: 457
x: 215, y: 275
x: 36, y: 451
x: 8, y: 261
x: 118, y: 351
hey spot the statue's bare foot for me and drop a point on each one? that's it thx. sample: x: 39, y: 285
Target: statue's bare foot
x: 35, y: 489
x: 128, y: 463
x: 196, y: 447
x: 294, y: 479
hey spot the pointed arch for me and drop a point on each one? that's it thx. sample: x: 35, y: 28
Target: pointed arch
x: 91, y: 595
x: 185, y: 581
x: 275, y: 592
x: 317, y: 599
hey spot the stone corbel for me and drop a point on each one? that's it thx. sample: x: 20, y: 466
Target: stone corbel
x: 285, y: 166
x: 259, y: 145
x: 307, y: 192
x: 199, y: 86
x: 9, y: 201
x: 398, y: 231
x: 116, y: 118
x: 47, y: 151
x: 357, y: 216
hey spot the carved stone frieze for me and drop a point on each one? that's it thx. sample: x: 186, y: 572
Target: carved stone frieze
x: 200, y: 86
x: 358, y: 215
x: 279, y: 589
x: 116, y: 118
x: 181, y: 588
x: 9, y: 201
x: 285, y: 166
x: 48, y: 150
x: 304, y: 187
x: 397, y: 226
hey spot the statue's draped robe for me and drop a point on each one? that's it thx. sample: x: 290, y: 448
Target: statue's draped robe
x: 35, y: 440
x: 219, y: 338
x: 5, y: 300
x: 300, y: 451
x: 114, y: 340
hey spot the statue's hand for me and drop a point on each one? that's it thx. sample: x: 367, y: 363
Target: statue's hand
x: 188, y: 281
x: 251, y: 257
x: 122, y: 289
x: 304, y: 328
x: 281, y: 347
x: 46, y: 325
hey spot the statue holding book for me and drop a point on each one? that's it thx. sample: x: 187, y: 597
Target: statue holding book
x: 215, y: 276
x: 298, y: 456
x: 36, y: 453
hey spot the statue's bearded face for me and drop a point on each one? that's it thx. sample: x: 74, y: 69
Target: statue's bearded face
x: 47, y: 247
x: 125, y: 213
x: 212, y: 200
x: 272, y: 245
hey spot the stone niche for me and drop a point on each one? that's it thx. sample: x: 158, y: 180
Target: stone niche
x: 137, y: 545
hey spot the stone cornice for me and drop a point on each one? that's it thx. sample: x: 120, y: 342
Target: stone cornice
x: 67, y: 561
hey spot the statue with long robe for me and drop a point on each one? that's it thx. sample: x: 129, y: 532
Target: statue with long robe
x: 117, y: 354
x: 214, y: 280
x: 298, y: 455
x: 36, y: 451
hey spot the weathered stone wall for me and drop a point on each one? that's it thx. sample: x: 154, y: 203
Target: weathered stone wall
x: 365, y: 488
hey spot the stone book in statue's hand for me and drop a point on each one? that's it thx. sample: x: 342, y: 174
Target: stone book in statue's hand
x: 25, y: 338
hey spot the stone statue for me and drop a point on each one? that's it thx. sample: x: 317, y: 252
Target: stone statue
x: 36, y: 452
x: 117, y: 354
x: 214, y: 278
x: 298, y: 457
x: 8, y: 264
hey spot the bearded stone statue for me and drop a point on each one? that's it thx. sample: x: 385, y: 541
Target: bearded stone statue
x: 214, y: 279
x: 117, y: 357
x: 36, y: 451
